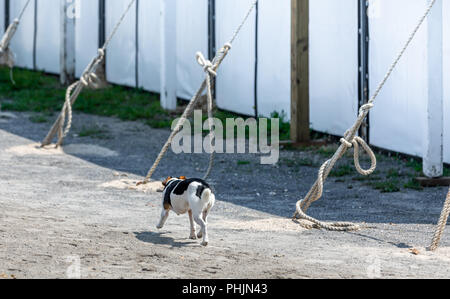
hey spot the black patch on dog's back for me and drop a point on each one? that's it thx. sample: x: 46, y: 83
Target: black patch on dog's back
x: 169, y: 188
x: 200, y: 190
x: 184, y: 185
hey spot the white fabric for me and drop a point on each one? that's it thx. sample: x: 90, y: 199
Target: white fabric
x: 398, y: 121
x: 2, y: 16
x: 446, y: 20
x: 236, y: 77
x: 48, y: 36
x: 149, y: 45
x: 192, y: 36
x: 274, y: 52
x: 333, y: 65
x: 22, y: 43
x: 86, y: 34
x: 121, y: 52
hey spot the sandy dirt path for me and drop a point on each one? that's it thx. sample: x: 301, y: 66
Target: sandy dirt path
x: 61, y: 211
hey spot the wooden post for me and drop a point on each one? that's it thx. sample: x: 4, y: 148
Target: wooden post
x: 168, y: 55
x: 67, y: 46
x: 433, y: 159
x: 300, y: 124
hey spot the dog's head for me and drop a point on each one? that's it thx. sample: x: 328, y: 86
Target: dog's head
x: 167, y: 181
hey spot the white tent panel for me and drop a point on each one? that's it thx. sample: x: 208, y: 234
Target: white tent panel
x: 23, y: 42
x: 192, y: 36
x: 149, y: 45
x: 398, y: 121
x: 2, y: 16
x: 446, y: 16
x: 86, y: 34
x: 333, y: 65
x: 47, y: 36
x: 274, y: 57
x: 121, y: 52
x: 236, y: 77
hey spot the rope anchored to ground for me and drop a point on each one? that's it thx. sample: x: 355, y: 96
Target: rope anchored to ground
x: 89, y: 78
x: 210, y: 68
x: 350, y: 139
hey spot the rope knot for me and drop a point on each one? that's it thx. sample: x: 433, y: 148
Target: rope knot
x: 207, y: 65
x: 366, y: 107
x: 101, y: 53
x: 227, y: 47
x: 346, y: 143
x: 90, y: 80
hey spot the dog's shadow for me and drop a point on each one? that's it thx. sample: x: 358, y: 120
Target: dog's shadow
x: 159, y: 238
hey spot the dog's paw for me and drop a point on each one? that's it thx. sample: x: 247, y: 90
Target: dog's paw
x: 159, y: 226
x: 193, y: 237
x: 205, y: 243
x: 200, y: 235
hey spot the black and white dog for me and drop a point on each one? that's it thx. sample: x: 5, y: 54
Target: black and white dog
x: 192, y: 196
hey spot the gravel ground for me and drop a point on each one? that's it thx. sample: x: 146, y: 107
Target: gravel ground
x: 59, y: 211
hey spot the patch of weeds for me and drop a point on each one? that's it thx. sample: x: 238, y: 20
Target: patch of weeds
x: 326, y: 151
x: 93, y: 132
x: 342, y: 171
x: 393, y: 173
x: 413, y: 184
x: 447, y: 171
x: 38, y: 119
x: 40, y: 92
x: 376, y: 176
x: 415, y: 164
x: 296, y: 163
x: 240, y: 163
x: 388, y: 186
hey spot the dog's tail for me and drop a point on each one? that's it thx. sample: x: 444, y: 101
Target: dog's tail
x: 206, y: 195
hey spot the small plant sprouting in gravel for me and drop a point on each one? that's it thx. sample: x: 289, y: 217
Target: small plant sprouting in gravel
x: 413, y: 184
x: 38, y: 119
x: 93, y: 132
x: 240, y: 163
x: 342, y: 171
x: 388, y: 186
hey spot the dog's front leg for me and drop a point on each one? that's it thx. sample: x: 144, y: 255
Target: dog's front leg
x: 164, y: 216
x: 191, y: 220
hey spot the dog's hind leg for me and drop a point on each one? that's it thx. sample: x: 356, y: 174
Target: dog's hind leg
x: 191, y: 220
x: 164, y: 216
x: 204, y: 230
x: 205, y: 219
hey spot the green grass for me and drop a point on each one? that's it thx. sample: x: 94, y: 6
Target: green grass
x: 413, y: 184
x: 387, y: 186
x: 243, y: 163
x: 39, y: 92
x: 93, y: 132
x: 342, y: 171
x: 38, y: 119
x: 42, y: 93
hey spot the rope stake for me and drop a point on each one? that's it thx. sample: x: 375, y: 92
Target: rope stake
x: 350, y: 139
x: 210, y: 70
x: 87, y: 79
x: 442, y: 224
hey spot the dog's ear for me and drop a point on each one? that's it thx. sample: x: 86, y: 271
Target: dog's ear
x: 182, y: 178
x: 166, y: 181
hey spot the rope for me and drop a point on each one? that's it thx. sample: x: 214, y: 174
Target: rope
x: 350, y: 139
x: 87, y: 79
x: 210, y: 69
x: 6, y: 55
x: 441, y: 224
